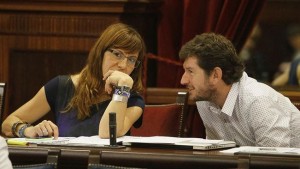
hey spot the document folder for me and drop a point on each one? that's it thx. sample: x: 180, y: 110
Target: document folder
x: 270, y: 151
x: 178, y: 142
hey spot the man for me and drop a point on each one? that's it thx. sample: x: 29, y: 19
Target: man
x: 232, y: 105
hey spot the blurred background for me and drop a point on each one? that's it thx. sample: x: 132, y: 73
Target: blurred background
x: 40, y: 39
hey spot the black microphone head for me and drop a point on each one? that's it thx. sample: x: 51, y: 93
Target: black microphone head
x: 112, y: 118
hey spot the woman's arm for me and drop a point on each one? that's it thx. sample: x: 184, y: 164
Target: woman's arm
x: 282, y: 79
x: 125, y: 116
x: 30, y: 112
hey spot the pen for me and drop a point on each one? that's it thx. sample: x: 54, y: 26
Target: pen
x: 16, y: 142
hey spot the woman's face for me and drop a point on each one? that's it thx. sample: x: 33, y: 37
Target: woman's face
x: 121, y: 60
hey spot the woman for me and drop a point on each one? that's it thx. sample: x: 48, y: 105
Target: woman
x: 110, y: 82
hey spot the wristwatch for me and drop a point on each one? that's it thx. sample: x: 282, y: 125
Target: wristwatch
x: 122, y: 91
x: 121, y: 94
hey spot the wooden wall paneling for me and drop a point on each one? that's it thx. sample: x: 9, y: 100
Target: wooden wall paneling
x: 42, y: 39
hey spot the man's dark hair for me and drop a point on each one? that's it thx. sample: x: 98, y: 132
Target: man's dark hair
x: 213, y: 50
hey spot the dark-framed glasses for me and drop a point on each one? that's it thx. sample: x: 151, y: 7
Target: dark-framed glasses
x: 118, y: 55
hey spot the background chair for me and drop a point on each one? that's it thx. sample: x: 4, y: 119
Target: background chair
x: 161, y: 98
x: 164, y: 119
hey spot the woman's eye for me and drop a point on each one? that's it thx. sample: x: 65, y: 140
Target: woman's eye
x: 119, y: 55
x: 132, y: 60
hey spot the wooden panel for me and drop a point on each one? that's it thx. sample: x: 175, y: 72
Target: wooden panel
x: 44, y: 38
x: 47, y: 64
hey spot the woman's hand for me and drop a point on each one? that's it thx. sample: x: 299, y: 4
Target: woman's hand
x: 43, y: 129
x: 116, y: 78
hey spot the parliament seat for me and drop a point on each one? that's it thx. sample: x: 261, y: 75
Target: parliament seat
x: 168, y: 112
x: 34, y: 158
x: 163, y: 119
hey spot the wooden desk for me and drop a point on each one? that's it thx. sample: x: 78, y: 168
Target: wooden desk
x: 168, y: 158
x: 80, y: 157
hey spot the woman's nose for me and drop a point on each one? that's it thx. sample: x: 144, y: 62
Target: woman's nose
x: 123, y: 63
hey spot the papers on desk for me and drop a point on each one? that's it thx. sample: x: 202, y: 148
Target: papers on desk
x: 93, y: 141
x: 264, y: 151
x: 161, y: 141
x: 184, y: 143
x: 50, y: 140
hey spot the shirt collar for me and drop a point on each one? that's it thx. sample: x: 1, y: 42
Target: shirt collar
x: 232, y: 97
x: 229, y: 102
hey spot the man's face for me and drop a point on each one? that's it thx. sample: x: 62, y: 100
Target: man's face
x: 196, y: 80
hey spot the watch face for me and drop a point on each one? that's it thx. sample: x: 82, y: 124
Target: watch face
x: 119, y: 92
x: 122, y: 91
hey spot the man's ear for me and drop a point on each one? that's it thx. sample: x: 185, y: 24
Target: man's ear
x: 216, y: 75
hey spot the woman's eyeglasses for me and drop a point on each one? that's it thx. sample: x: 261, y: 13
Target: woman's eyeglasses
x: 120, y: 56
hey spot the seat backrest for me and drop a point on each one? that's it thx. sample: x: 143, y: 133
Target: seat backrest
x: 293, y: 93
x: 156, y: 95
x: 2, y: 98
x: 33, y: 158
x: 192, y: 123
x: 73, y: 158
x: 163, y: 119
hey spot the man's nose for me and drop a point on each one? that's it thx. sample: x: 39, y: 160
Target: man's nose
x: 184, y: 80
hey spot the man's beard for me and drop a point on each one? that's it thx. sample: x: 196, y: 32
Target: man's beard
x: 204, y: 95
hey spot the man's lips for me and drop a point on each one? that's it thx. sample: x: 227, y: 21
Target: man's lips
x: 190, y: 89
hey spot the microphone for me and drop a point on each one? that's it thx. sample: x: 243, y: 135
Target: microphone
x: 112, y: 129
